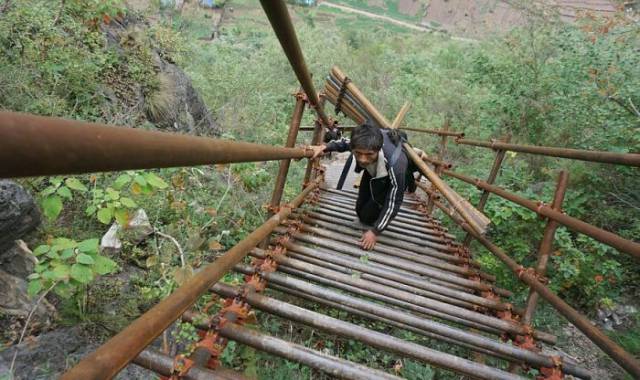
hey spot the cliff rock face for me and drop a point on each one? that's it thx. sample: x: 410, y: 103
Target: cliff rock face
x: 170, y: 101
x: 18, y: 215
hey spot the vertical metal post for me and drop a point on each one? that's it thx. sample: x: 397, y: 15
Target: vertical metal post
x: 546, y: 245
x: 283, y: 170
x: 431, y: 195
x: 443, y: 142
x: 318, y: 137
x: 493, y: 174
x: 438, y: 168
x: 294, y: 126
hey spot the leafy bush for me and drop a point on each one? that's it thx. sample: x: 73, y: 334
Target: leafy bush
x: 68, y: 265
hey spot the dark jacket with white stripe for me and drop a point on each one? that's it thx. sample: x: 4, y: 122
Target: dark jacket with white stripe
x: 387, y: 191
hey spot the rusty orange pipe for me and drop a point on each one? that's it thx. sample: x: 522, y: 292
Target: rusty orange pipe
x: 39, y: 146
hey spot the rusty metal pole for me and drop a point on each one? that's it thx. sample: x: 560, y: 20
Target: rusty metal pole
x: 472, y: 216
x: 603, y: 236
x: 337, y: 367
x: 434, y: 132
x: 163, y: 364
x: 283, y: 169
x: 617, y: 353
x: 546, y: 245
x: 39, y: 146
x: 629, y: 159
x: 281, y: 179
x: 493, y: 174
x: 369, y: 337
x: 278, y: 16
x: 400, y: 116
x: 111, y: 357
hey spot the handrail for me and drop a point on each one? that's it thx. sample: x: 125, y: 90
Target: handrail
x: 38, y: 146
x: 111, y: 357
x: 629, y: 159
x: 527, y: 276
x: 434, y: 132
x: 540, y: 208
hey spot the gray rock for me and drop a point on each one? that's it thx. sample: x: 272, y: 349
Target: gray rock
x: 48, y: 355
x: 15, y: 301
x: 174, y: 104
x: 18, y: 260
x: 18, y: 213
x: 137, y: 230
x: 110, y: 244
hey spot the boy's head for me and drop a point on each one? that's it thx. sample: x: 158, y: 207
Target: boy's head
x: 366, y: 142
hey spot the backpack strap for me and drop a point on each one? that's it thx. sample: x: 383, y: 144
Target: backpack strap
x: 345, y: 172
x: 395, y: 155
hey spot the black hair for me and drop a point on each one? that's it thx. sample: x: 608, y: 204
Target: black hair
x: 366, y: 136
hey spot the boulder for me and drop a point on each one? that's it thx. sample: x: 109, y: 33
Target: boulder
x: 18, y: 260
x: 173, y: 104
x: 136, y: 231
x: 110, y: 244
x: 138, y: 228
x: 14, y: 300
x: 49, y: 355
x: 19, y: 214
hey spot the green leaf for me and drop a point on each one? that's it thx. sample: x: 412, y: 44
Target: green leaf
x: 48, y: 191
x: 56, y: 181
x: 40, y: 268
x: 64, y: 192
x: 51, y: 206
x: 104, y: 265
x: 61, y: 272
x: 140, y: 180
x: 122, y: 216
x: 63, y: 243
x: 75, y: 184
x: 83, y: 258
x: 81, y: 273
x: 121, y: 181
x: 53, y: 254
x: 67, y: 253
x: 89, y: 246
x: 155, y: 181
x: 48, y: 275
x: 112, y: 194
x: 90, y: 210
x: 128, y: 202
x: 65, y: 289
x: 34, y: 287
x: 105, y: 215
x: 41, y: 249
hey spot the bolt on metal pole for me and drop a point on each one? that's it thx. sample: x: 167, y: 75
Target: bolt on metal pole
x: 369, y: 337
x: 281, y: 179
x: 617, y: 353
x: 603, y: 236
x: 111, y: 357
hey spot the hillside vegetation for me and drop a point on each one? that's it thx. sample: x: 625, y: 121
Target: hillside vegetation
x: 546, y: 83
